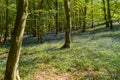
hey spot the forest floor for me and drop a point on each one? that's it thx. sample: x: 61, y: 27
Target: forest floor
x: 95, y: 55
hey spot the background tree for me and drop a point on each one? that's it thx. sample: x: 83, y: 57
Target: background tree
x: 68, y: 24
x: 109, y: 14
x: 53, y: 14
x: 56, y: 17
x: 105, y: 15
x: 84, y: 16
x: 2, y: 19
x: 6, y: 25
x: 92, y: 14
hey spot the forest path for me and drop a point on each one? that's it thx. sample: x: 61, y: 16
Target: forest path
x: 44, y: 75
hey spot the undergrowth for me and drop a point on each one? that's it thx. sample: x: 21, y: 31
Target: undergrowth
x: 95, y: 54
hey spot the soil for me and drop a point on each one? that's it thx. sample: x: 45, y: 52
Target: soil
x: 3, y: 55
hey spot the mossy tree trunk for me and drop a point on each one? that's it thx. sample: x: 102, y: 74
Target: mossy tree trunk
x: 12, y: 72
x: 68, y: 24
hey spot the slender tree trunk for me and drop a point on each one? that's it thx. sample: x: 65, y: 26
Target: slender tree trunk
x: 56, y: 17
x: 92, y: 23
x: 6, y: 24
x: 39, y: 30
x: 12, y: 72
x: 84, y: 19
x: 109, y: 15
x: 105, y: 15
x: 73, y: 19
x: 34, y: 31
x: 80, y: 18
x: 68, y: 24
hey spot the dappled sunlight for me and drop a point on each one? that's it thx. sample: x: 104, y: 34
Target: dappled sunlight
x: 92, y: 56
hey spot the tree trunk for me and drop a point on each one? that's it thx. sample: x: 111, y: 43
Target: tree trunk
x: 56, y: 17
x: 109, y: 15
x: 68, y: 24
x: 84, y: 19
x: 39, y: 29
x: 105, y: 15
x: 80, y: 18
x: 34, y: 31
x: 6, y: 24
x: 12, y: 72
x: 92, y: 16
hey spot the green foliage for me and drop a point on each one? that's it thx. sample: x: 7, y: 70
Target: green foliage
x: 98, y: 52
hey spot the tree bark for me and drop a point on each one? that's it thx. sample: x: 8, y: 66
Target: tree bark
x: 39, y: 29
x: 109, y: 15
x: 56, y: 17
x: 84, y: 19
x: 6, y: 25
x: 12, y: 72
x: 92, y: 15
x: 105, y: 15
x: 68, y: 25
x: 34, y: 30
